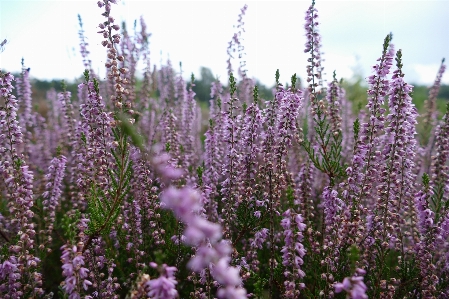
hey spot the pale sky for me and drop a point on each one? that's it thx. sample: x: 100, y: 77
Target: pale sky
x: 197, y: 33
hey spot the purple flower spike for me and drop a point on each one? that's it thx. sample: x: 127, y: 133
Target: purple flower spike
x: 74, y: 271
x: 293, y: 252
x: 53, y: 191
x: 186, y: 205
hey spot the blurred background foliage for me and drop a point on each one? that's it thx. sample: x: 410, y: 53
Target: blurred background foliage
x: 355, y: 91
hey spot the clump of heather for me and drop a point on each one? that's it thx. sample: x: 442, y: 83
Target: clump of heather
x: 115, y: 193
x: 20, y: 276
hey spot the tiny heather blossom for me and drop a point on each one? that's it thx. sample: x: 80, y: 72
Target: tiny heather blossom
x: 260, y: 238
x: 184, y: 202
x: 163, y: 287
x: 354, y: 286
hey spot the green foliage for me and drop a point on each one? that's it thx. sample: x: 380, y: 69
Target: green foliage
x: 290, y: 197
x: 354, y: 256
x: 264, y: 91
x: 219, y: 103
x: 96, y: 86
x: 202, y: 85
x: 167, y: 147
x: 328, y: 158
x: 232, y: 85
x: 61, y: 293
x: 356, y: 128
x: 398, y: 59
x: 103, y: 209
x: 69, y: 224
x: 129, y: 130
x: 58, y: 151
x: 63, y: 86
x: 259, y: 283
x: 425, y: 180
x: 437, y: 201
x: 408, y: 273
x: 293, y: 80
x: 356, y: 92
x: 83, y: 138
x: 199, y: 173
x: 256, y: 95
x: 387, y: 42
x: 246, y: 221
x: 86, y: 75
x: 96, y: 210
x: 18, y: 163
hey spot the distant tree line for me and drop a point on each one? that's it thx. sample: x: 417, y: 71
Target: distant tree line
x: 356, y: 90
x: 203, y: 84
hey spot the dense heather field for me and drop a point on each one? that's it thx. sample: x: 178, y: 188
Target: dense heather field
x: 119, y: 193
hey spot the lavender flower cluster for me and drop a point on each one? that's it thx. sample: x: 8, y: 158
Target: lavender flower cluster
x: 114, y: 194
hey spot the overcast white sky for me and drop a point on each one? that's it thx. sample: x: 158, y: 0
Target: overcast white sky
x: 45, y: 33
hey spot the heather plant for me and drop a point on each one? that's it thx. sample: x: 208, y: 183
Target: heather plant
x: 116, y: 193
